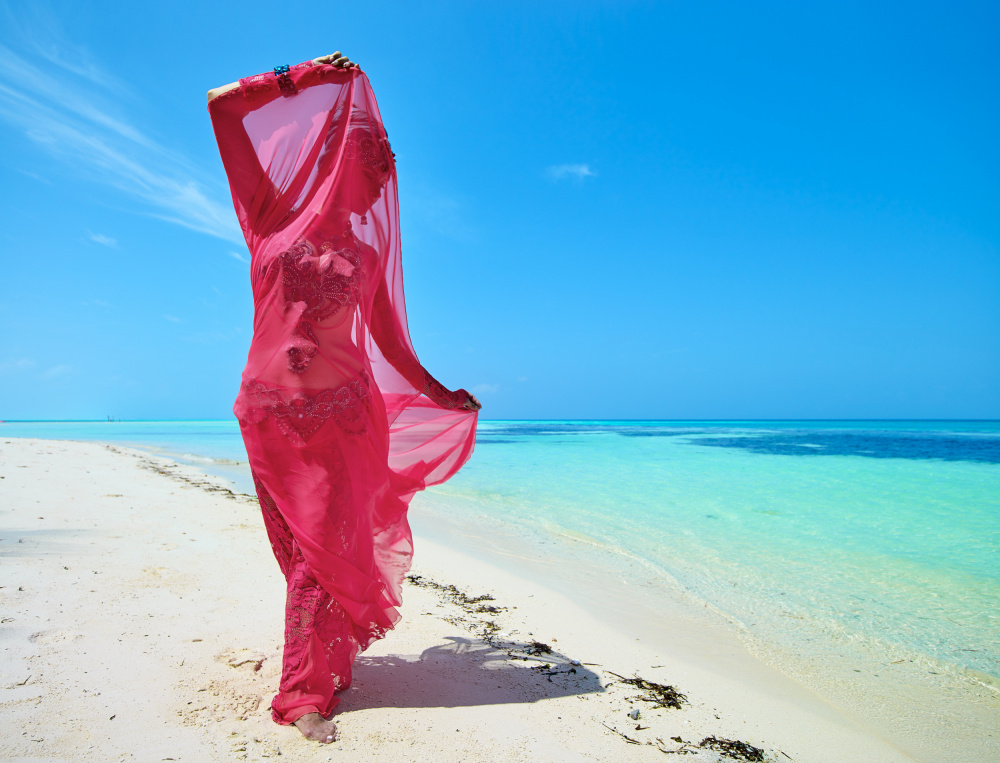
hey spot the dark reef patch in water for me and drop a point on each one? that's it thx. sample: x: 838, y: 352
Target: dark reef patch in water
x: 549, y: 429
x: 869, y: 444
x: 980, y: 447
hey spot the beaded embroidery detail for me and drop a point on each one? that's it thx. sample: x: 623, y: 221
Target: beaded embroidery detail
x: 301, y: 417
x: 326, y: 283
x: 439, y: 394
x: 285, y: 83
x: 365, y: 148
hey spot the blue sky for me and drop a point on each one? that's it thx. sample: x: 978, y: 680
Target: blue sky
x: 610, y: 210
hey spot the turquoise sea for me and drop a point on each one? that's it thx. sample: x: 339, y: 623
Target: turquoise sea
x: 884, y: 535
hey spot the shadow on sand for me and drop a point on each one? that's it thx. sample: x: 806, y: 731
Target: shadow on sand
x: 467, y: 672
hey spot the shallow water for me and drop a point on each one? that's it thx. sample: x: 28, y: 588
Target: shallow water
x: 815, y: 536
x: 888, y: 532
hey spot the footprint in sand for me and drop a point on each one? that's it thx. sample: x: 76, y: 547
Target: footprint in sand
x: 220, y: 701
x: 243, y: 658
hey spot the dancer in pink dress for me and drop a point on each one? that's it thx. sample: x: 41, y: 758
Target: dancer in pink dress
x: 342, y: 424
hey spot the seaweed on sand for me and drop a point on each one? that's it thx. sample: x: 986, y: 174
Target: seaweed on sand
x: 733, y: 748
x: 660, y: 695
x: 537, y: 647
x: 170, y: 470
x: 730, y: 748
x: 471, y: 605
x: 477, y: 622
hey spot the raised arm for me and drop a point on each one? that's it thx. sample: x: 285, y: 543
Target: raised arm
x: 255, y: 196
x: 334, y: 59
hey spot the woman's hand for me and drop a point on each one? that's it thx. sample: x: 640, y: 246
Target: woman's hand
x: 472, y: 404
x: 335, y: 59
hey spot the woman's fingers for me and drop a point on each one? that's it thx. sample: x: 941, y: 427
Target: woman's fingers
x: 336, y: 59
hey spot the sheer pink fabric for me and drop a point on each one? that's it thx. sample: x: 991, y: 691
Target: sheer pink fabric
x: 342, y: 424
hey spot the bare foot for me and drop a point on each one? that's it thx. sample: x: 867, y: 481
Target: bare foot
x: 315, y: 728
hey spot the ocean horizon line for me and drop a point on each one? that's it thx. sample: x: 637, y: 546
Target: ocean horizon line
x: 671, y: 420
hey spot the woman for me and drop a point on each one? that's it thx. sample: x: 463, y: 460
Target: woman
x: 342, y: 424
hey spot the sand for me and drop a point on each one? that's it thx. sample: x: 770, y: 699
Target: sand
x: 142, y: 620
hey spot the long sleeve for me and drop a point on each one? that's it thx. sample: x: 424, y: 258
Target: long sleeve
x: 264, y: 188
x: 387, y: 335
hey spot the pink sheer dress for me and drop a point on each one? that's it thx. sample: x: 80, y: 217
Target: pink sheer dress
x: 342, y: 424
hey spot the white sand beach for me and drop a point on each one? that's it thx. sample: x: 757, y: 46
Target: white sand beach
x: 142, y: 620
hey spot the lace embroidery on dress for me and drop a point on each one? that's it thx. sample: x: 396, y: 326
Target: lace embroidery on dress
x: 441, y: 395
x: 363, y: 146
x: 309, y: 609
x: 327, y: 283
x: 301, y: 417
x: 277, y: 531
x: 300, y: 351
x: 256, y: 86
x: 260, y: 88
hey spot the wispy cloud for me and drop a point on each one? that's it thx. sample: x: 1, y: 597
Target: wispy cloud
x: 73, y: 109
x: 240, y: 257
x: 13, y: 366
x: 172, y: 318
x: 34, y: 176
x: 575, y: 171
x: 55, y: 372
x: 39, y: 29
x: 100, y: 238
x: 486, y: 389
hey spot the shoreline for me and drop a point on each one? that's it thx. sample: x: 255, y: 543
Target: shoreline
x: 556, y: 715
x: 920, y: 706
